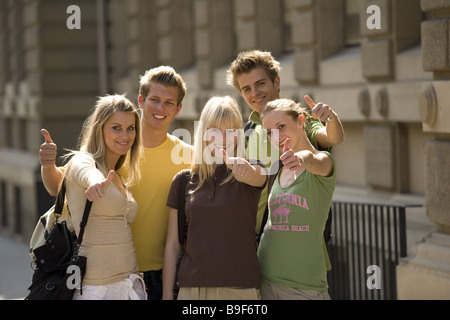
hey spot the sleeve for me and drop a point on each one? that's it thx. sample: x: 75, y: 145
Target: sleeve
x: 83, y: 170
x: 314, y: 126
x: 172, y: 200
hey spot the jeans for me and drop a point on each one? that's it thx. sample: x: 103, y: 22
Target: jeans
x: 153, y: 281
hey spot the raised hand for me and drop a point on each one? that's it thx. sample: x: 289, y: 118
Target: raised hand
x: 295, y: 161
x: 320, y: 111
x: 48, y: 150
x: 97, y: 190
x: 241, y: 168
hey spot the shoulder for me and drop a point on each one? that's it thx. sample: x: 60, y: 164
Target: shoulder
x: 81, y: 159
x: 176, y: 141
x: 328, y: 155
x: 182, y: 173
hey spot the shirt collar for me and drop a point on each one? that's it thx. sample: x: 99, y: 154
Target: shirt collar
x: 255, y: 117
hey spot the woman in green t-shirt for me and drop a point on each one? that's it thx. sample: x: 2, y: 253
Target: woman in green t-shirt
x: 291, y: 255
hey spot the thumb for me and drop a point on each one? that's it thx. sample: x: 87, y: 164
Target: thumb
x: 46, y: 135
x: 286, y: 145
x: 226, y: 159
x: 109, y: 179
x: 309, y: 101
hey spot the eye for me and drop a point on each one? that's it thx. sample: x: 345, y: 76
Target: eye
x: 245, y: 90
x: 281, y: 126
x: 116, y: 128
x: 131, y: 128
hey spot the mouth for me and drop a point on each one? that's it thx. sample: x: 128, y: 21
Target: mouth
x: 259, y: 100
x: 159, y: 117
x: 122, y: 144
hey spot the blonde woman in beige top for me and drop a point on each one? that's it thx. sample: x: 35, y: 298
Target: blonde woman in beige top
x: 109, y: 135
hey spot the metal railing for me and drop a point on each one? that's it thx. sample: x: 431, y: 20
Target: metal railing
x: 363, y: 235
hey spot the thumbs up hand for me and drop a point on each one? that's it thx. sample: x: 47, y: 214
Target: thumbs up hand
x: 241, y: 168
x: 47, y: 151
x: 295, y: 161
x: 320, y: 111
x: 97, y: 190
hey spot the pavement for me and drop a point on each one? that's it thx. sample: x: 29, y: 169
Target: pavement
x: 15, y: 269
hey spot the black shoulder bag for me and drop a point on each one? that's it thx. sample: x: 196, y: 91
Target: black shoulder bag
x: 57, y: 261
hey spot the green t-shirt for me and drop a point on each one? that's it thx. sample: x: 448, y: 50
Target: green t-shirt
x: 260, y: 148
x: 291, y: 248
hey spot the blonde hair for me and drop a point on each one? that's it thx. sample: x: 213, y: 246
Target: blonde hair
x: 247, y: 61
x: 217, y: 111
x: 92, y: 140
x: 164, y: 75
x: 290, y: 107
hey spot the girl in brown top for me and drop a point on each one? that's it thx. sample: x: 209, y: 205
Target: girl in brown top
x: 220, y: 260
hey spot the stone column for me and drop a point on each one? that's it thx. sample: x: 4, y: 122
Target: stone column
x: 258, y: 25
x: 427, y: 275
x: 317, y: 32
x: 214, y: 38
x: 175, y: 33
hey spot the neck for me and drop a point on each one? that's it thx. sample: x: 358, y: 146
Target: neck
x: 304, y: 144
x: 152, y: 138
x: 111, y: 161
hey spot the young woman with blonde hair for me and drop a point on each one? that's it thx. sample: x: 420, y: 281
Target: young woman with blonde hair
x: 109, y: 135
x: 222, y: 197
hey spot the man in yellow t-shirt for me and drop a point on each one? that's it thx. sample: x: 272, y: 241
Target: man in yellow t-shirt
x: 161, y: 93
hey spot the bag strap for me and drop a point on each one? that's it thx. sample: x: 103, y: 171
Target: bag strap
x: 182, y: 225
x: 83, y: 223
x: 60, y: 199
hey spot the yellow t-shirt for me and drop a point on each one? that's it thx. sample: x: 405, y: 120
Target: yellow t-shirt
x: 149, y: 229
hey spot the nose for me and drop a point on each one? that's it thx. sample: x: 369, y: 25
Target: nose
x: 254, y: 91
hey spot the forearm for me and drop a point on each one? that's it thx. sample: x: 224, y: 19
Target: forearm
x: 52, y: 178
x: 319, y: 164
x: 257, y: 176
x: 331, y: 135
x: 169, y: 271
x: 171, y: 254
x: 335, y: 131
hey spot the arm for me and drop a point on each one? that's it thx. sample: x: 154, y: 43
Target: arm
x: 316, y: 163
x: 333, y: 133
x: 171, y: 253
x: 243, y: 171
x: 51, y: 175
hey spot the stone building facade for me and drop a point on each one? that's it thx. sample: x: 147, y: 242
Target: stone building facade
x: 382, y: 65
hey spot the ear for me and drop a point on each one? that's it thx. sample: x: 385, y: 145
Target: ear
x: 178, y: 109
x: 301, y: 120
x: 276, y: 83
x: 141, y: 101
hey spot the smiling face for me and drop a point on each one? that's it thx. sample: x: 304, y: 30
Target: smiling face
x: 287, y: 127
x: 159, y: 107
x: 257, y: 89
x: 221, y: 138
x: 119, y: 132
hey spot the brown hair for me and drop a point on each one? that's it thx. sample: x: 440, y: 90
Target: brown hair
x: 164, y: 75
x: 247, y: 61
